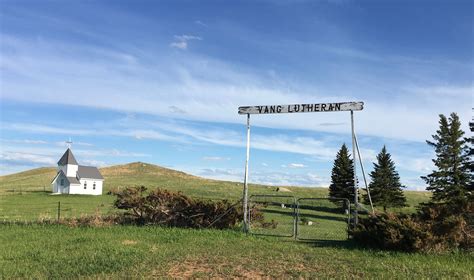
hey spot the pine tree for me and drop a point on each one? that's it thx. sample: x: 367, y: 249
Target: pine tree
x: 451, y: 180
x: 342, y: 177
x: 470, y: 163
x: 385, y: 187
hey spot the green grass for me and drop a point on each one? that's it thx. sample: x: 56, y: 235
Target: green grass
x: 56, y: 251
x: 152, y: 252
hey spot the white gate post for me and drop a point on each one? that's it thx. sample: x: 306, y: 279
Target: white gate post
x: 356, y: 203
x: 246, y: 178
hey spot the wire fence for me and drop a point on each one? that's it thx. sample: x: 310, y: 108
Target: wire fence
x: 25, y: 188
x: 304, y: 219
x: 17, y: 208
x: 28, y: 212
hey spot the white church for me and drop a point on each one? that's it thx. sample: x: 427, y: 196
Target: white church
x: 73, y: 178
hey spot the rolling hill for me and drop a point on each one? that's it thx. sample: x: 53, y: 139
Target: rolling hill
x: 35, y: 185
x: 139, y: 173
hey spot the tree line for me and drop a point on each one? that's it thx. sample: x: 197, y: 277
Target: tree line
x: 450, y: 182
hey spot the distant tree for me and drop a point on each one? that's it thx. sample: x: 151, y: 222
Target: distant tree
x: 452, y: 179
x: 342, y: 177
x: 385, y: 187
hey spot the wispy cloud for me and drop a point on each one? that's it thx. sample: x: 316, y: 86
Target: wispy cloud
x: 198, y: 22
x: 181, y: 41
x: 26, y: 159
x: 74, y: 144
x: 272, y: 178
x: 296, y: 165
x: 197, y: 84
x: 24, y: 141
x: 213, y: 158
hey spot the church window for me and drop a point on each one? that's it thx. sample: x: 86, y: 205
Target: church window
x: 62, y: 182
x: 85, y: 185
x: 93, y: 186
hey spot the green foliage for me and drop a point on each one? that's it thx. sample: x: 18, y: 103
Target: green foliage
x: 447, y: 222
x: 385, y: 187
x: 162, y: 207
x: 470, y: 164
x: 452, y: 179
x: 390, y: 231
x: 342, y: 176
x: 435, y: 228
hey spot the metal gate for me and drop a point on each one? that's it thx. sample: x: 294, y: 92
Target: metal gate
x: 272, y: 215
x: 303, y: 219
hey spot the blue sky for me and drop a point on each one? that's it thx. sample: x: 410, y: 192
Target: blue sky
x: 161, y: 81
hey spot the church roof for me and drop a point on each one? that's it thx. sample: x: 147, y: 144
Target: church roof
x: 73, y: 180
x: 89, y: 172
x: 67, y: 158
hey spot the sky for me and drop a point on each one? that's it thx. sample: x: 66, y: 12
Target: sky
x: 161, y: 82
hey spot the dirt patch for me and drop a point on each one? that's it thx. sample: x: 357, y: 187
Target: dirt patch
x: 129, y: 242
x: 206, y: 268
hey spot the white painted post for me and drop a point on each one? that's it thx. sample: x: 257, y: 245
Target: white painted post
x: 245, y: 194
x: 355, y: 173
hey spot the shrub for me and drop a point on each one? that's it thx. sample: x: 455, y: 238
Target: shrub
x: 390, y: 231
x: 436, y: 227
x: 162, y: 207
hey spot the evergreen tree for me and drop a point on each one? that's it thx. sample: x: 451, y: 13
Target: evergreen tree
x: 385, y: 186
x: 342, y: 177
x: 470, y: 163
x: 452, y: 179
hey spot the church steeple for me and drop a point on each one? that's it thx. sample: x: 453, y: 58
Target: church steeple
x: 67, y: 158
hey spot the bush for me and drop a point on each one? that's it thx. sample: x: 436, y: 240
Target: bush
x: 390, y: 231
x: 162, y: 207
x: 436, y: 227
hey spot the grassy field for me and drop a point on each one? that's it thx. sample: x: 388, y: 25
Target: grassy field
x: 26, y: 195
x: 56, y: 251
x: 152, y: 252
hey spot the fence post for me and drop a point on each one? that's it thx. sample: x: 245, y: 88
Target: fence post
x: 59, y: 210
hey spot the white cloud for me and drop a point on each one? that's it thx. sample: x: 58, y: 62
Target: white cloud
x: 24, y: 141
x: 180, y: 133
x: 296, y: 165
x: 198, y: 22
x: 211, y: 90
x: 272, y: 178
x: 74, y: 144
x: 96, y: 163
x: 183, y: 45
x: 176, y: 109
x: 28, y: 159
x: 181, y: 41
x: 215, y: 158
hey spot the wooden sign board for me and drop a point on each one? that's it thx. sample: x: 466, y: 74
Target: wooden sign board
x: 302, y: 108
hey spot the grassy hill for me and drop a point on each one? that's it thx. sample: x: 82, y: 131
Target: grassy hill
x: 139, y: 173
x: 26, y: 195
